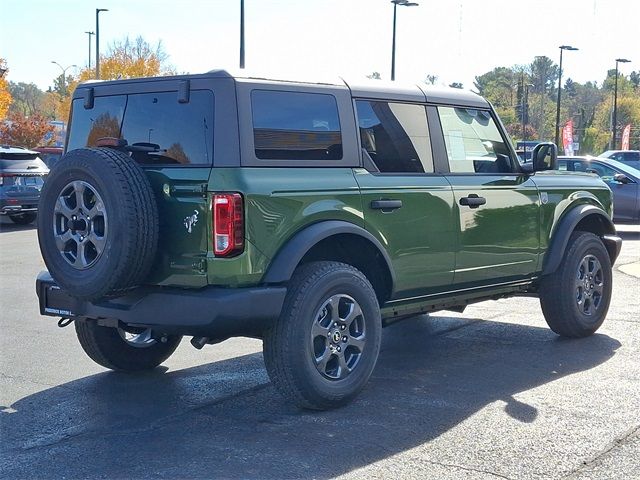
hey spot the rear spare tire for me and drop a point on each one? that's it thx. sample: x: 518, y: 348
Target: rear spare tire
x: 97, y: 223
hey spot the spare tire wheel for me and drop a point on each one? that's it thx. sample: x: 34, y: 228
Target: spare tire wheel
x: 97, y: 223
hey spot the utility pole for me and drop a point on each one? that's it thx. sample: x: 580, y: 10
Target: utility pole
x: 562, y: 47
x: 615, y: 105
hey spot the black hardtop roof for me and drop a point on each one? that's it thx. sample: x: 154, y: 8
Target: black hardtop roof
x: 372, y: 89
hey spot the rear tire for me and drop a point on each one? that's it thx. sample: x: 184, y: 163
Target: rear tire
x: 322, y: 350
x: 575, y: 298
x: 23, y: 218
x: 108, y: 347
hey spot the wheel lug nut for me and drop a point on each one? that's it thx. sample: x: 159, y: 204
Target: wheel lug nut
x: 342, y: 327
x: 338, y: 348
x: 344, y: 339
x: 335, y: 324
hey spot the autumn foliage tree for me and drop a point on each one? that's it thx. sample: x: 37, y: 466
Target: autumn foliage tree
x: 124, y: 59
x: 5, y: 96
x: 25, y: 131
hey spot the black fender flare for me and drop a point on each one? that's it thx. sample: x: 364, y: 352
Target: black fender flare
x: 289, y: 256
x: 566, y: 226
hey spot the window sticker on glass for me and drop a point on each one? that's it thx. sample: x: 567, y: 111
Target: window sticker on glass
x: 456, y: 146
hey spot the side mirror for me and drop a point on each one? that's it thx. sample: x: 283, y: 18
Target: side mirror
x: 545, y: 157
x: 621, y: 178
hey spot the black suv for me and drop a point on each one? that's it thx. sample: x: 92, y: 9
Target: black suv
x: 22, y: 175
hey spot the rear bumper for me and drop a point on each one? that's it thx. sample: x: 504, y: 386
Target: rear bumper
x: 211, y: 311
x: 18, y: 205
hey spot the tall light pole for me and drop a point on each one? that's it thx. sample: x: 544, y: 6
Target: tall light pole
x: 402, y: 3
x: 562, y: 48
x: 615, y: 104
x: 98, y: 10
x: 64, y: 73
x: 241, y: 33
x: 89, y: 33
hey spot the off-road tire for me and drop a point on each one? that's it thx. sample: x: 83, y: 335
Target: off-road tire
x: 132, y: 217
x: 288, y: 352
x: 559, y: 295
x: 106, y: 347
x: 23, y: 218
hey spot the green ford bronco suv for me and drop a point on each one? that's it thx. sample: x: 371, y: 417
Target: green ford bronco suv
x: 308, y: 215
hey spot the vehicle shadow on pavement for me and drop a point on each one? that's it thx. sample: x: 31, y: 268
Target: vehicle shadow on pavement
x: 8, y: 226
x: 224, y: 419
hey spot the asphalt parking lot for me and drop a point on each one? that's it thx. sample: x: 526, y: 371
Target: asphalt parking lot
x: 484, y: 394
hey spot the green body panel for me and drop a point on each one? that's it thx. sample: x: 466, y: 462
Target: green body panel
x: 500, y: 239
x: 565, y: 191
x: 279, y: 202
x: 182, y: 256
x: 418, y: 236
x: 434, y: 244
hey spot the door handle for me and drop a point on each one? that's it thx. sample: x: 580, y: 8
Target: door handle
x: 473, y: 201
x: 385, y: 204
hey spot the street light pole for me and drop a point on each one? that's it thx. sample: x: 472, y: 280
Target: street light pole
x: 64, y: 73
x: 402, y: 3
x: 89, y: 33
x: 562, y: 47
x: 241, y: 33
x: 98, y: 10
x: 615, y: 105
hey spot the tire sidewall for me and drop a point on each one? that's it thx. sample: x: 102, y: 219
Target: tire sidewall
x: 307, y: 375
x: 589, y: 245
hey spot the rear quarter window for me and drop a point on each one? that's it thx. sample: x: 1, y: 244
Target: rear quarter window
x: 295, y: 126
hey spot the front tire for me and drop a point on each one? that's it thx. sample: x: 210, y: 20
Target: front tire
x: 575, y: 298
x: 124, y: 350
x: 322, y: 350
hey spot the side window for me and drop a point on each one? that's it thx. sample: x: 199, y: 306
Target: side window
x: 103, y: 120
x: 295, y: 126
x: 168, y: 132
x: 473, y: 141
x: 395, y: 136
x: 603, y: 171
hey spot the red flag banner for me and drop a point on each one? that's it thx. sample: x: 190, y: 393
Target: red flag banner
x: 567, y: 138
x: 626, y: 133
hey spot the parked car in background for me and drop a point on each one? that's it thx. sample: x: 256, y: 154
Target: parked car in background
x: 623, y: 180
x: 49, y: 155
x: 630, y: 157
x: 22, y: 174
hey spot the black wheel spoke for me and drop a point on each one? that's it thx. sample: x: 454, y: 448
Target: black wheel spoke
x: 589, y: 285
x: 337, y: 336
x: 80, y: 224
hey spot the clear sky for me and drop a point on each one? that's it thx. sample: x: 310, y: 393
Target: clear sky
x: 454, y: 39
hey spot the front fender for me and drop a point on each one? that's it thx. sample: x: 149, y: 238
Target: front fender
x: 602, y: 226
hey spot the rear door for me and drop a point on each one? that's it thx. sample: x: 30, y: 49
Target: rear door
x: 407, y: 206
x: 625, y: 195
x: 169, y: 126
x: 497, y: 206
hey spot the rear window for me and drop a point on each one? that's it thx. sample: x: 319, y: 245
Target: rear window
x: 158, y: 129
x: 295, y: 126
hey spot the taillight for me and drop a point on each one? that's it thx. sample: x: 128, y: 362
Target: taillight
x: 228, y: 224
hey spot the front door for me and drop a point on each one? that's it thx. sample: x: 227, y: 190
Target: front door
x: 497, y: 206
